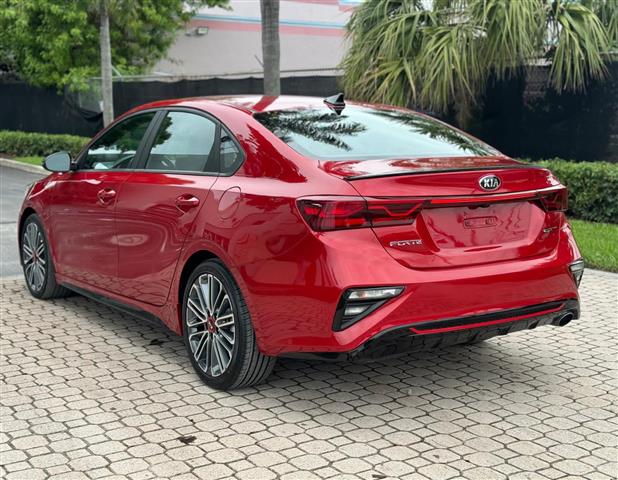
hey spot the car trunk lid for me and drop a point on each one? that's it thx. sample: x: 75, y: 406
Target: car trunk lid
x: 458, y: 222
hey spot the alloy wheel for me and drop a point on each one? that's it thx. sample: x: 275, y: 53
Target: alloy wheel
x: 34, y: 256
x: 211, y: 325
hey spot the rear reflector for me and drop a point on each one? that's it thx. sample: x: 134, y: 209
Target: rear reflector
x: 356, y: 303
x: 337, y: 213
x: 577, y: 270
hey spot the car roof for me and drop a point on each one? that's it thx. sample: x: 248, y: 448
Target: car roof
x: 249, y: 103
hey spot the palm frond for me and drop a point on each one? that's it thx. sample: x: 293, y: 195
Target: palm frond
x: 379, y: 63
x: 607, y: 11
x: 451, y: 66
x: 581, y: 44
x: 512, y: 32
x: 439, y: 54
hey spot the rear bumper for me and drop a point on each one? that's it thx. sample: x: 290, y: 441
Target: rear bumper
x: 442, y: 333
x: 293, y: 305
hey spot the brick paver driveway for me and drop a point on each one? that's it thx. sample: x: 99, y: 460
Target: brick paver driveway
x: 89, y: 392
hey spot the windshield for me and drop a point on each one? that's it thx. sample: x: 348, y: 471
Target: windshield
x: 362, y: 133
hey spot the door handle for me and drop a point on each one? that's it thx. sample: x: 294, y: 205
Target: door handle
x: 106, y: 195
x: 186, y: 202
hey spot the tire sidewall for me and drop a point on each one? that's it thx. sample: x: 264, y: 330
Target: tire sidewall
x: 226, y: 379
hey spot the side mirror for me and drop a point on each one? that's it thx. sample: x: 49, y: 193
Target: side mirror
x: 58, y: 162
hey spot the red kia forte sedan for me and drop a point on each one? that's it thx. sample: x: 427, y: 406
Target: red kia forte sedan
x: 259, y: 227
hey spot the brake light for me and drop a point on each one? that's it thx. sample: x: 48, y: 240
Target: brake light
x: 556, y: 201
x: 337, y: 213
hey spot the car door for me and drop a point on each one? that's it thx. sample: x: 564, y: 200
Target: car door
x: 84, y: 201
x: 161, y: 200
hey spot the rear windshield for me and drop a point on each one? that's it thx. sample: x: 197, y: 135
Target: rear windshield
x: 361, y: 133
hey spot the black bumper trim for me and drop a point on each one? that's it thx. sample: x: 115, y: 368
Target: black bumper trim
x: 488, y: 317
x: 402, y: 340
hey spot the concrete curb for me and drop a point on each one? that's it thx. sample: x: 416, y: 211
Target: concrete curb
x: 5, y: 162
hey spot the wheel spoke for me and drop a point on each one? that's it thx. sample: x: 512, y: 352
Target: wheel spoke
x: 36, y: 277
x: 30, y: 274
x: 32, y: 232
x: 225, y: 350
x: 26, y: 249
x: 225, y: 321
x: 41, y: 270
x: 208, y: 356
x: 225, y: 300
x: 218, y: 356
x: 204, y: 294
x: 227, y: 341
x: 220, y: 294
x: 200, y: 346
x: 191, y: 335
x: 195, y: 309
x: 211, y: 293
x: 200, y: 297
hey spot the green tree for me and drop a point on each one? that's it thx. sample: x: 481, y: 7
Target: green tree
x: 58, y: 42
x: 441, y: 57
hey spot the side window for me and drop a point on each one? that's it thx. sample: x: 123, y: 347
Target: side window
x: 184, y: 142
x: 229, y: 154
x: 117, y: 147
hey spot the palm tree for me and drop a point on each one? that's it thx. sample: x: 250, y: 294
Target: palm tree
x: 270, y: 46
x: 107, y: 91
x: 441, y: 57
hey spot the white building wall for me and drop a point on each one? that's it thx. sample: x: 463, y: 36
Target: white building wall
x: 228, y: 42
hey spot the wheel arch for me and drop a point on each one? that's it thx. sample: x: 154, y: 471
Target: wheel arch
x: 190, y: 264
x: 22, y: 219
x: 201, y: 255
x: 27, y: 212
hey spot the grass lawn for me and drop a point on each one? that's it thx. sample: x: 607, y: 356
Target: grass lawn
x: 31, y: 160
x: 598, y: 243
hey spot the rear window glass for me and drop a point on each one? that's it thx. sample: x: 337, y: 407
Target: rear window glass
x: 361, y: 133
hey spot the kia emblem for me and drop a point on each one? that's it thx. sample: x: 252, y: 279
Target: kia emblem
x: 490, y: 182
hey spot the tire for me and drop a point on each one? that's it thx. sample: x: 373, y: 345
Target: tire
x: 210, y: 321
x: 37, y: 263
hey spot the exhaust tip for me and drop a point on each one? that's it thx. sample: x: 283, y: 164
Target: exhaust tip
x: 563, y: 320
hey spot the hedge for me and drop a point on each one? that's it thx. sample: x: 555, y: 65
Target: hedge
x: 26, y: 144
x: 593, y: 188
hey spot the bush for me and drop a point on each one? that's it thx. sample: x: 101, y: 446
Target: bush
x: 25, y: 144
x: 593, y: 188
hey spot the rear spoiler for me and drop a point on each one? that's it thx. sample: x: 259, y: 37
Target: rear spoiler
x: 437, y: 170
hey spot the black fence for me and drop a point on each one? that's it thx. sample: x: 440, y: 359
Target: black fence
x: 521, y: 117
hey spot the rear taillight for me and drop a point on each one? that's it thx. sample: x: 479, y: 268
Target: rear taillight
x: 338, y: 213
x: 556, y: 201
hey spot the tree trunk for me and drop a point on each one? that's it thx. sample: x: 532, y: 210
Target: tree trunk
x: 107, y: 90
x: 270, y: 46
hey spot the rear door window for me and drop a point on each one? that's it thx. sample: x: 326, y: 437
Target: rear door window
x: 230, y: 156
x: 185, y: 142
